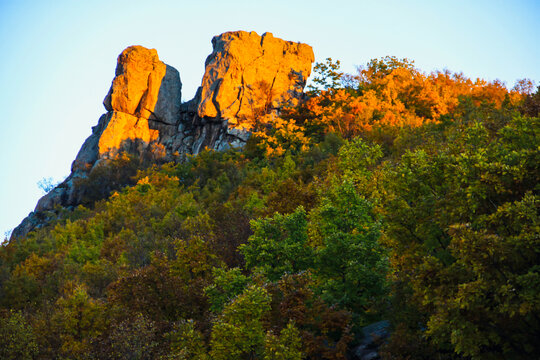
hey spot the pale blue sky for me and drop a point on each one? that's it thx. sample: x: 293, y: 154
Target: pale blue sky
x: 58, y: 58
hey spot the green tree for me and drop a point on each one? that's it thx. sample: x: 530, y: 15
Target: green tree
x: 79, y: 320
x: 286, y: 346
x: 226, y: 286
x: 350, y: 262
x: 187, y: 343
x: 462, y: 226
x: 238, y: 332
x: 279, y: 245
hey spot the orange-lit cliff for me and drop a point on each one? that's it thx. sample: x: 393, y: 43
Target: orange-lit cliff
x: 246, y: 75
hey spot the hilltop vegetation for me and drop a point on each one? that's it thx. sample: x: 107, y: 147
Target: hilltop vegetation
x: 389, y: 194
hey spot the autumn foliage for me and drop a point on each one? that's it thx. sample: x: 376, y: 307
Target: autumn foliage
x: 389, y: 194
x: 387, y: 93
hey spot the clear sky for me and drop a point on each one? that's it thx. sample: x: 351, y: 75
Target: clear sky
x: 57, y: 58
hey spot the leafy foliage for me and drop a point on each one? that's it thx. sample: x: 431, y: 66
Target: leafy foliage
x: 388, y: 194
x: 18, y: 339
x: 279, y: 246
x: 327, y: 75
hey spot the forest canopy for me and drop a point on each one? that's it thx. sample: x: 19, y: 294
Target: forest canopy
x: 389, y: 194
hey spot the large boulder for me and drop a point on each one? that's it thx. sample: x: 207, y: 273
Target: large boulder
x: 248, y: 74
x: 145, y: 87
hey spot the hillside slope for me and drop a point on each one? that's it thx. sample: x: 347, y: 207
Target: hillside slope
x: 390, y: 195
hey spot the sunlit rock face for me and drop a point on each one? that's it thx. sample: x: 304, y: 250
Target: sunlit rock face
x: 123, y: 129
x: 138, y: 75
x: 144, y: 89
x: 247, y: 72
x: 246, y: 75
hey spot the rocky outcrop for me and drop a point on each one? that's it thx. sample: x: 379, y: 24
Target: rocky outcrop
x: 144, y: 90
x: 246, y: 76
x: 247, y: 72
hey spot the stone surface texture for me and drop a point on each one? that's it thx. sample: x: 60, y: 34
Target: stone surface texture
x: 246, y: 75
x: 374, y: 335
x: 247, y: 72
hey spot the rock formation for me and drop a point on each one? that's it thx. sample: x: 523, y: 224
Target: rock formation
x: 246, y: 75
x: 247, y: 71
